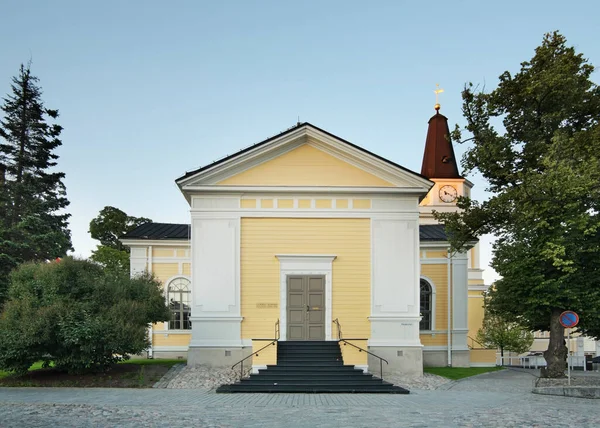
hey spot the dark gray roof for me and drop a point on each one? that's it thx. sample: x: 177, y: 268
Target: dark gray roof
x: 299, y: 125
x: 159, y: 231
x: 427, y: 232
x: 432, y: 232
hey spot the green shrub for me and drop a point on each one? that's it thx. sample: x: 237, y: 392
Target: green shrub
x: 77, y: 315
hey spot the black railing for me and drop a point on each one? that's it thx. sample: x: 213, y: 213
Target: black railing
x: 476, y: 341
x: 346, y: 342
x: 271, y: 342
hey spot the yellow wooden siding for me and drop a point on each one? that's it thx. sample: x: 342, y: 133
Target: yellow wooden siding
x: 180, y: 253
x: 304, y: 203
x: 323, y: 203
x: 475, y: 313
x: 186, y: 269
x: 163, y: 252
x: 262, y: 238
x: 163, y: 339
x: 266, y: 203
x: 438, y: 274
x: 267, y: 356
x: 352, y: 356
x: 486, y: 356
x: 285, y: 203
x: 429, y: 254
x: 476, y: 282
x: 341, y: 203
x: 164, y: 271
x: 361, y: 204
x: 306, y: 166
x: 248, y: 203
x: 437, y: 339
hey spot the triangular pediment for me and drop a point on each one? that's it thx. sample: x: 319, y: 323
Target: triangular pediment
x: 305, y: 156
x: 305, y: 165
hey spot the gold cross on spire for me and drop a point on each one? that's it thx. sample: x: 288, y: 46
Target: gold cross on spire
x: 437, y: 91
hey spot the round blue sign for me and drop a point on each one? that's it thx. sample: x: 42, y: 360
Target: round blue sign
x: 569, y: 319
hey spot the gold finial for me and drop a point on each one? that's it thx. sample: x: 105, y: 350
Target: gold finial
x: 437, y: 91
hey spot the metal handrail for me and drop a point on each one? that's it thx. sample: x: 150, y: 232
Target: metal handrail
x: 346, y: 342
x: 477, y: 341
x: 272, y: 342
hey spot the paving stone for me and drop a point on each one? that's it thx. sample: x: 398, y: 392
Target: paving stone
x: 492, y: 400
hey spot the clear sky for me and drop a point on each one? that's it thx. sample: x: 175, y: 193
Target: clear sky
x: 150, y: 89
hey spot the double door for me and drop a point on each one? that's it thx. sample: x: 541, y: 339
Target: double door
x: 306, y: 307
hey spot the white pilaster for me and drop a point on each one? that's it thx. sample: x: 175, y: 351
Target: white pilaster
x: 460, y: 320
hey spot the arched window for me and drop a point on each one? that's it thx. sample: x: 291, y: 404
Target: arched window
x: 426, y: 306
x: 179, y: 302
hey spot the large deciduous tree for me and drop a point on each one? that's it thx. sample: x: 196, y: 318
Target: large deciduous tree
x: 77, y: 316
x: 536, y: 140
x: 110, y: 224
x: 33, y: 224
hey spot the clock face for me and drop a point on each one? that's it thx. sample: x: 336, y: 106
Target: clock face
x: 448, y: 193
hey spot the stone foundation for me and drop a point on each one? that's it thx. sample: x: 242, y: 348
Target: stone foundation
x: 402, y: 360
x: 218, y: 357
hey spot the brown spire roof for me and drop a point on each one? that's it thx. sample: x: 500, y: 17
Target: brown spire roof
x: 439, y: 160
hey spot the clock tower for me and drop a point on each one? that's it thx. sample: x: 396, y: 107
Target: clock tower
x: 440, y: 166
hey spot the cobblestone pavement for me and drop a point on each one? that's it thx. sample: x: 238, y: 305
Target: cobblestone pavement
x: 490, y: 400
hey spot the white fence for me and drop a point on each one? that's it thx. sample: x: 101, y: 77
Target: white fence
x: 536, y: 361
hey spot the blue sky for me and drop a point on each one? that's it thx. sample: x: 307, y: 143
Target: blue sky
x: 148, y: 90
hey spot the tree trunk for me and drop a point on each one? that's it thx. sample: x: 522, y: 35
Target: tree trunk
x: 501, y: 356
x: 556, y: 354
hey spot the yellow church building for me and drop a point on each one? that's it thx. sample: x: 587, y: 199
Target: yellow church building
x: 306, y: 236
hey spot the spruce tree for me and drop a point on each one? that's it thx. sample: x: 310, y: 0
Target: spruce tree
x: 33, y: 224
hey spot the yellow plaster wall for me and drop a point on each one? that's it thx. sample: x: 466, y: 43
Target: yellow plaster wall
x: 267, y: 356
x: 323, y: 203
x: 438, y: 274
x: 352, y: 356
x: 341, y: 203
x: 248, y: 203
x: 262, y: 238
x: 285, y: 203
x: 305, y: 166
x: 360, y: 204
x: 163, y: 339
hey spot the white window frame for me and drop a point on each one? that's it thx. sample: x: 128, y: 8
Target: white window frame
x: 433, y: 293
x: 167, y: 284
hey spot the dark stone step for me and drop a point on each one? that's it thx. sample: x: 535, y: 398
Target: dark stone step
x: 324, y: 376
x: 309, y: 363
x: 324, y: 389
x: 308, y: 368
x: 318, y: 381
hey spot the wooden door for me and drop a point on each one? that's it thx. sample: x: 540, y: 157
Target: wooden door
x: 306, y: 307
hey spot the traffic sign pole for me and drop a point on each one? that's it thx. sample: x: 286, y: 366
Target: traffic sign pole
x: 569, y: 319
x: 569, y: 355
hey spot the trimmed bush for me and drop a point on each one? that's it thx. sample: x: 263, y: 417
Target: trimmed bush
x: 76, y: 315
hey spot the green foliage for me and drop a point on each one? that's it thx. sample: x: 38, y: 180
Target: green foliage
x: 110, y: 224
x: 497, y: 332
x: 76, y: 315
x: 536, y: 140
x: 32, y: 195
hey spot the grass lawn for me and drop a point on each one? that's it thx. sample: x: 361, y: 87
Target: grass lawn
x: 138, y: 373
x: 455, y: 373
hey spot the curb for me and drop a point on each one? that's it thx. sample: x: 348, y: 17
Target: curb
x: 569, y: 391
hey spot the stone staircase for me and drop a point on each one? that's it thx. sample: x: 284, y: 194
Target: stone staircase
x: 311, y: 367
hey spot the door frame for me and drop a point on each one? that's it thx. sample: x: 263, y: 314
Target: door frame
x: 305, y: 264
